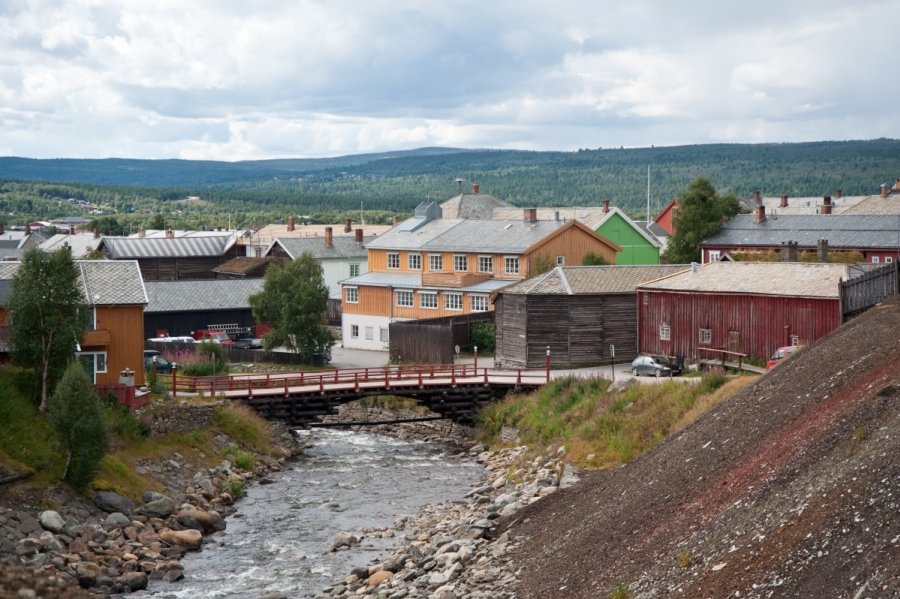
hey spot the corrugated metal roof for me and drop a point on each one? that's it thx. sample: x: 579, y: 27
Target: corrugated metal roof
x: 178, y: 247
x: 104, y: 282
x: 584, y: 280
x: 79, y: 244
x: 395, y: 239
x: 474, y: 205
x: 876, y: 205
x: 413, y: 281
x: 183, y: 296
x: 797, y: 279
x: 343, y: 248
x: 841, y: 231
x: 457, y: 235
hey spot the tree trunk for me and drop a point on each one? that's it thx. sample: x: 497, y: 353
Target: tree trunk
x: 45, y: 374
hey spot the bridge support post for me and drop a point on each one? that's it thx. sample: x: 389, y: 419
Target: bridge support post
x: 476, y: 359
x: 547, y: 363
x: 356, y: 381
x: 174, y: 381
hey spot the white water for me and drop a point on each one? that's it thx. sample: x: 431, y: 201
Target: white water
x: 349, y: 481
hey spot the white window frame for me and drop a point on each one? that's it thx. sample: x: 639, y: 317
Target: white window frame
x: 560, y: 260
x: 370, y: 334
x: 354, y: 331
x: 429, y: 294
x: 876, y: 260
x: 383, y: 334
x: 665, y: 332
x: 795, y: 340
x: 705, y: 336
x: 888, y: 259
x: 354, y: 270
x: 393, y: 260
x: 351, y: 295
x: 453, y: 301
x: 407, y: 295
x: 460, y: 260
x: 99, y: 362
x: 511, y: 261
x: 486, y: 264
x: 715, y: 256
x: 414, y: 261
x: 436, y: 259
x: 478, y: 302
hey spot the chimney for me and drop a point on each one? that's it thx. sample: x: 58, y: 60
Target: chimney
x: 27, y: 229
x: 394, y: 221
x: 170, y: 234
x: 605, y: 206
x: 757, y: 197
x: 530, y: 215
x: 329, y: 238
x: 884, y: 190
x: 760, y: 213
x: 838, y: 194
x: 896, y: 186
x: 822, y: 251
x: 556, y: 215
x: 784, y: 201
x: 348, y: 225
x: 826, y: 205
x: 142, y: 233
x: 292, y: 223
x: 71, y: 229
x: 359, y: 236
x: 475, y: 188
x: 96, y: 233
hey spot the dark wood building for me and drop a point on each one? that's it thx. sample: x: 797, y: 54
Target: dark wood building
x: 177, y: 308
x: 186, y: 258
x: 576, y: 311
x: 747, y: 307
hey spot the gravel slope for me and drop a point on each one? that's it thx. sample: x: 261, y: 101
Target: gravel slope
x: 789, y: 489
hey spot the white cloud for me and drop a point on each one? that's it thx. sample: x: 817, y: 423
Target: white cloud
x: 234, y: 80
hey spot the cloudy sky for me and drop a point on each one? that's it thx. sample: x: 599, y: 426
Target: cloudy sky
x: 236, y: 80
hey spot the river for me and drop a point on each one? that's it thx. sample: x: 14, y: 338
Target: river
x: 348, y: 481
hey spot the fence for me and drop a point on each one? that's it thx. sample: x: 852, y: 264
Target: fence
x: 177, y: 352
x: 125, y: 394
x: 433, y: 340
x: 863, y: 292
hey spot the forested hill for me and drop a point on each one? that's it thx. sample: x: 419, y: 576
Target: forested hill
x: 397, y: 181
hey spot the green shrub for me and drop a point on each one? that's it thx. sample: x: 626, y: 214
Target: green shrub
x: 121, y: 421
x: 484, y: 336
x: 27, y: 438
x: 234, y: 487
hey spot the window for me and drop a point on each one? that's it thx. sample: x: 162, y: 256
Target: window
x: 511, y: 265
x: 485, y: 264
x: 354, y: 331
x: 875, y: 259
x: 706, y: 336
x: 665, y: 333
x: 354, y: 270
x: 370, y: 333
x: 383, y: 334
x: 94, y: 363
x: 453, y: 301
x: 436, y: 262
x: 560, y: 260
x: 405, y: 298
x: 645, y: 298
x: 352, y: 294
x: 415, y: 261
x: 795, y: 340
x: 460, y: 263
x: 393, y: 260
x: 888, y: 259
x: 715, y: 255
x: 428, y: 299
x: 479, y: 303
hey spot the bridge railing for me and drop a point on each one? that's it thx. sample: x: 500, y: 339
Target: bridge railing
x: 384, y: 377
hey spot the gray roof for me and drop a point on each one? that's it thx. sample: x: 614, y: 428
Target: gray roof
x: 104, y: 282
x: 462, y: 235
x: 841, y: 231
x: 343, y: 248
x: 795, y: 279
x: 79, y: 243
x: 413, y: 281
x: 584, y: 280
x: 473, y: 205
x: 177, y: 247
x: 216, y: 294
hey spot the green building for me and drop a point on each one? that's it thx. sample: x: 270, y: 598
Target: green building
x: 638, y: 246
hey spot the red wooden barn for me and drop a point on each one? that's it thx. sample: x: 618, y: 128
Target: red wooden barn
x: 747, y: 307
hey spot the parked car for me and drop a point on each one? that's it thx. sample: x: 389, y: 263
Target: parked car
x: 781, y: 353
x: 247, y: 343
x: 162, y: 365
x: 655, y: 365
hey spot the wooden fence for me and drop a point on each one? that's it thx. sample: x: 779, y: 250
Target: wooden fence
x: 433, y: 340
x: 863, y: 292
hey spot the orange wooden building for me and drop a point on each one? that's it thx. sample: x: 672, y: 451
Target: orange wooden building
x: 114, y: 339
x: 428, y: 266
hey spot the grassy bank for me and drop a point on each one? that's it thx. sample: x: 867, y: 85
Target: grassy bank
x: 29, y: 444
x: 599, y: 429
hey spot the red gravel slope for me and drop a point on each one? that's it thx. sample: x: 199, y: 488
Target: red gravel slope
x: 789, y: 489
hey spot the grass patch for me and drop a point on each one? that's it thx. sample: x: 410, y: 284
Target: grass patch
x: 245, y: 426
x: 601, y: 429
x: 115, y: 475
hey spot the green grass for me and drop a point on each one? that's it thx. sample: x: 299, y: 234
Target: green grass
x: 601, y: 429
x: 245, y: 426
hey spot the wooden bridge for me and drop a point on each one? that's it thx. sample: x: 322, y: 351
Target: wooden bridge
x: 300, y: 398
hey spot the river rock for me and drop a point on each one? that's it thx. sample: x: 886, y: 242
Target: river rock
x: 117, y: 520
x: 52, y: 521
x: 153, y: 496
x: 133, y: 581
x: 211, y: 520
x: 203, y: 482
x: 27, y: 547
x: 341, y: 540
x: 87, y: 573
x: 113, y: 502
x: 189, y: 539
x: 378, y: 577
x: 161, y: 507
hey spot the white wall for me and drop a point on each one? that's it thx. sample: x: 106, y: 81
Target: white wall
x: 366, y: 325
x: 335, y: 271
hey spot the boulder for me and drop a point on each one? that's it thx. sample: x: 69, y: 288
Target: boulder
x: 133, y: 581
x: 211, y: 521
x: 113, y: 502
x: 153, y: 496
x: 52, y: 521
x: 117, y: 520
x: 379, y: 577
x: 162, y: 507
x: 28, y: 546
x: 87, y: 573
x: 189, y: 539
x: 341, y: 540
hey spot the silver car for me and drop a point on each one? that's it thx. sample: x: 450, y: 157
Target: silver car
x: 650, y: 365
